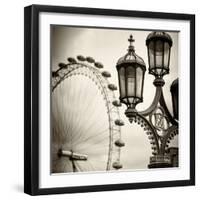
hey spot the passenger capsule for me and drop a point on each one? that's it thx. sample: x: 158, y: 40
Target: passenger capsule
x: 55, y: 74
x: 62, y: 65
x: 152, y: 142
x: 112, y: 87
x: 81, y: 58
x: 151, y: 137
x: 119, y: 122
x: 90, y: 59
x: 71, y: 60
x: 117, y: 103
x: 117, y: 165
x: 106, y: 74
x: 172, y: 134
x: 119, y: 143
x: 154, y: 145
x: 98, y: 65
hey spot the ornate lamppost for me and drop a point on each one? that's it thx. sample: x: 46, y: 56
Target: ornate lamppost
x: 156, y: 120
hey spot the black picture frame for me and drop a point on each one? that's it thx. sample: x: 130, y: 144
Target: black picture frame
x: 31, y: 98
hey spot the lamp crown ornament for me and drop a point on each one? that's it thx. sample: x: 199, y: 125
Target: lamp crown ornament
x: 158, y: 35
x: 131, y: 56
x: 131, y: 47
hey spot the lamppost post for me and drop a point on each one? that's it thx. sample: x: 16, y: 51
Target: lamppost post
x: 157, y: 121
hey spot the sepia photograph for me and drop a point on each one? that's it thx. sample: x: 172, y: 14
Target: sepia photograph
x: 114, y: 99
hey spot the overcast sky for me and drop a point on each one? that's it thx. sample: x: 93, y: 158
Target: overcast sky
x: 107, y: 46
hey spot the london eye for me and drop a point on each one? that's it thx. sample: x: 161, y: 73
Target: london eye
x: 86, y: 125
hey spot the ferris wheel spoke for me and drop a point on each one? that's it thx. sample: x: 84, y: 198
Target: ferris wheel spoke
x: 84, y: 99
x: 92, y: 136
x: 69, y: 166
x: 89, y: 133
x: 91, y: 147
x: 91, y: 166
x: 93, y: 144
x: 77, y: 125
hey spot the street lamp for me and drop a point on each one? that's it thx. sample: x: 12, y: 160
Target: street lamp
x: 131, y: 70
x: 157, y: 121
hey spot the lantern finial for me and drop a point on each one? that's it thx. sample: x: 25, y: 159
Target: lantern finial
x: 131, y: 47
x: 131, y: 39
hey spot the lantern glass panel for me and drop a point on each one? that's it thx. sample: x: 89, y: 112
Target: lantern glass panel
x: 151, y: 54
x: 166, y: 54
x: 139, y: 82
x: 122, y: 82
x: 131, y: 76
x: 159, y: 55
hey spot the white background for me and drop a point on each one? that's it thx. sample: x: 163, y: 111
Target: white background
x: 11, y: 101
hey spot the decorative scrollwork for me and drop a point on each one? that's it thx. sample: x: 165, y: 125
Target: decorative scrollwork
x: 150, y: 131
x: 171, y: 133
x: 159, y: 120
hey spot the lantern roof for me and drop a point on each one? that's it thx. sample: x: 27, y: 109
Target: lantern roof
x: 158, y: 35
x: 131, y: 56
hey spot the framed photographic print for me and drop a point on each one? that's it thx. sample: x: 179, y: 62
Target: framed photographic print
x: 109, y: 100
